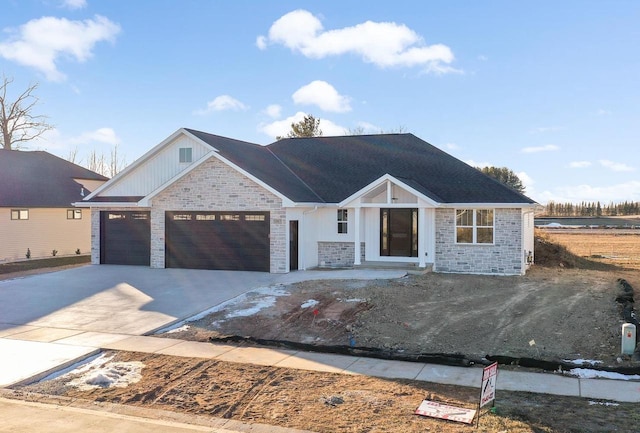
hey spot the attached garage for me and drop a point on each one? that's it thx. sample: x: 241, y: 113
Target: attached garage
x: 125, y: 238
x: 217, y: 240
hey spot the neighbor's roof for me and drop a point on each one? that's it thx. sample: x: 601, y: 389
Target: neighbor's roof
x: 40, y: 179
x: 330, y: 169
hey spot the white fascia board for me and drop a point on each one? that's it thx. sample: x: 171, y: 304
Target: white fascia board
x: 131, y: 204
x: 489, y: 205
x: 138, y: 162
x: 376, y: 183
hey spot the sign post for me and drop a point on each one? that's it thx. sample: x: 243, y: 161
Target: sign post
x: 488, y: 388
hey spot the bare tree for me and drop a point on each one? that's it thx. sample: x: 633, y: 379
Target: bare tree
x: 116, y: 163
x: 17, y: 121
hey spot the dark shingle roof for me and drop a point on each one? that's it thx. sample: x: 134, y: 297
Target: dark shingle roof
x: 40, y: 179
x: 330, y: 169
x: 261, y: 163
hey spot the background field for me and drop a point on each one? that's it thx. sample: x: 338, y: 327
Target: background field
x: 618, y: 247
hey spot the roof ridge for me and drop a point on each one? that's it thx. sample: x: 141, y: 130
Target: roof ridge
x: 294, y: 174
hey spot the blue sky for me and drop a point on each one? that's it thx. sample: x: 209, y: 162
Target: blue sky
x: 549, y: 89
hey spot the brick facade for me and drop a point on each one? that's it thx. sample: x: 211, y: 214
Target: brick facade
x: 504, y: 257
x: 213, y: 186
x: 338, y: 254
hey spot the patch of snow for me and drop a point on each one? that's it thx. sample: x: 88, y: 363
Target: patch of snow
x: 583, y: 361
x: 266, y: 302
x: 602, y: 403
x: 179, y: 329
x: 217, y: 323
x: 586, y: 373
x: 111, y: 374
x: 79, y: 367
x: 272, y: 291
x: 309, y: 303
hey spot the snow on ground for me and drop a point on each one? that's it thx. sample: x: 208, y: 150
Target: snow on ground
x: 603, y: 403
x: 309, y: 303
x: 100, y: 372
x: 179, y: 329
x: 586, y: 373
x: 269, y: 295
x: 582, y: 361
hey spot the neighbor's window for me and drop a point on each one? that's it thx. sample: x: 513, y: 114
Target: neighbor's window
x: 342, y: 220
x: 186, y: 154
x: 74, y: 214
x: 19, y: 214
x: 474, y: 226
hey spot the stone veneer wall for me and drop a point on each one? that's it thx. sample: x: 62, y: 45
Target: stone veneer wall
x: 216, y: 187
x: 338, y: 254
x: 504, y: 257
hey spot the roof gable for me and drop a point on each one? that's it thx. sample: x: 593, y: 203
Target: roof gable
x: 40, y: 179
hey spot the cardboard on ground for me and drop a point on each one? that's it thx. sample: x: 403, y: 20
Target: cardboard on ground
x: 443, y: 411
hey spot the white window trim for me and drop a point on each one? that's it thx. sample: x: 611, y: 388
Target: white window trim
x: 474, y: 227
x: 186, y: 150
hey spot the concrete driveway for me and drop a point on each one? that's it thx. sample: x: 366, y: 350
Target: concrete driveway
x: 130, y: 300
x: 49, y: 321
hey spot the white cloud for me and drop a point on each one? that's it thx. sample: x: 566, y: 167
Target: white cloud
x: 615, y: 166
x: 545, y: 148
x: 629, y: 191
x: 527, y: 181
x: 579, y: 164
x: 477, y: 164
x: 282, y: 127
x: 483, y: 58
x: 223, y: 103
x: 100, y: 135
x: 450, y: 146
x: 542, y: 129
x: 322, y: 94
x: 74, y: 4
x: 41, y: 42
x: 274, y: 111
x: 384, y: 44
x: 603, y: 112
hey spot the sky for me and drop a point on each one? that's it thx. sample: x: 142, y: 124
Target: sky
x: 548, y: 89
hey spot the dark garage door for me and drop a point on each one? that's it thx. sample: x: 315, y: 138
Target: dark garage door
x: 125, y: 238
x: 218, y: 240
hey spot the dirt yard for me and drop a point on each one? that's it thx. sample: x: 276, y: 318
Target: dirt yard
x: 567, y: 308
x: 568, y: 313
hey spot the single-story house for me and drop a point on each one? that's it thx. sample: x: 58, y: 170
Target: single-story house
x: 37, y: 217
x: 203, y: 201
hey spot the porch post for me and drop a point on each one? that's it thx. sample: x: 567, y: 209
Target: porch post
x: 422, y: 227
x: 356, y: 236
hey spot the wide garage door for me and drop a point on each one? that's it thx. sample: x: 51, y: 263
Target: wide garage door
x: 125, y: 238
x: 218, y: 240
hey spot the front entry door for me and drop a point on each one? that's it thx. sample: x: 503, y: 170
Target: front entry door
x: 293, y: 245
x: 399, y: 232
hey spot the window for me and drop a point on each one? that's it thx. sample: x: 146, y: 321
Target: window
x: 205, y: 217
x: 19, y: 214
x: 343, y: 218
x: 229, y: 217
x: 186, y: 154
x: 474, y: 226
x: 254, y: 217
x: 182, y: 217
x: 74, y: 214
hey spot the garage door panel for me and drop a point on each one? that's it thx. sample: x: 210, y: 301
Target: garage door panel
x: 125, y: 238
x: 218, y: 240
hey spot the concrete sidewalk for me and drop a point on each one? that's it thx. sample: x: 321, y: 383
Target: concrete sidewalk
x: 88, y: 343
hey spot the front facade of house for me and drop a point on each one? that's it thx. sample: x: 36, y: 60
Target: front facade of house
x: 37, y: 219
x: 207, y: 202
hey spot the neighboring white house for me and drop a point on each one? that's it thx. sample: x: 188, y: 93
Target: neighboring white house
x: 37, y: 190
x: 198, y: 200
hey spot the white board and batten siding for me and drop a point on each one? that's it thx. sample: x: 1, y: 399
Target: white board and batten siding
x: 159, y: 169
x: 47, y: 229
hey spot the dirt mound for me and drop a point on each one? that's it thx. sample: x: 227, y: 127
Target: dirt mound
x: 552, y: 255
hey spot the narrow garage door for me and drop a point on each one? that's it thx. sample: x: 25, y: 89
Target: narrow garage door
x: 125, y: 238
x: 218, y: 240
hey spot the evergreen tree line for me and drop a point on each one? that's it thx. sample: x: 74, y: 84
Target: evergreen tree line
x: 586, y: 209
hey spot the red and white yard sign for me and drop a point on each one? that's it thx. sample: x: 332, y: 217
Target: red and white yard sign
x: 442, y: 411
x: 488, y: 391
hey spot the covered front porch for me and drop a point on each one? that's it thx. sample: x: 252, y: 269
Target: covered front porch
x: 394, y: 224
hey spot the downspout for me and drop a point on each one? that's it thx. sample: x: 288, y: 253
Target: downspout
x: 301, y: 244
x: 528, y: 257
